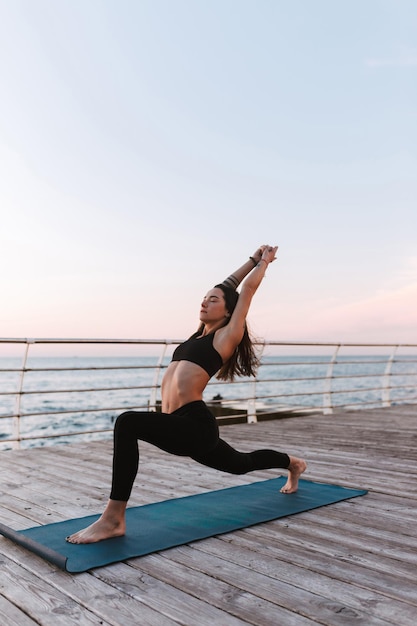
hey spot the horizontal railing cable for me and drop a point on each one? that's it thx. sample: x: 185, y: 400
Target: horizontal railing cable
x: 57, y: 397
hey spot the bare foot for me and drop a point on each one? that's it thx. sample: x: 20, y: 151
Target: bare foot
x: 98, y: 531
x: 111, y: 524
x: 295, y: 469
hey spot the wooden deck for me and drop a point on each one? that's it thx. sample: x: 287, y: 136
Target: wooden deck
x: 354, y: 562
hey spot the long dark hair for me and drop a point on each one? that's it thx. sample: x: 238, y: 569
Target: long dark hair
x: 244, y: 361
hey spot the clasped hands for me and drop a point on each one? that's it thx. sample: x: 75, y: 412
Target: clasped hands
x: 265, y: 252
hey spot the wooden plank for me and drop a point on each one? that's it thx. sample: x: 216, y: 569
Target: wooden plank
x: 163, y: 591
x: 224, y: 595
x: 85, y: 597
x: 40, y: 600
x: 352, y: 562
x: 255, y: 555
x: 315, y: 574
x: 264, y: 601
x: 11, y: 615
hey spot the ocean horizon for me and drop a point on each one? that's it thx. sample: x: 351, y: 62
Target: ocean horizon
x: 71, y: 394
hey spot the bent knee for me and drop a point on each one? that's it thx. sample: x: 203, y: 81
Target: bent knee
x: 123, y: 419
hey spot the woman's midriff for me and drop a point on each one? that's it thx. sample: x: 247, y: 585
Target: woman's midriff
x: 183, y: 382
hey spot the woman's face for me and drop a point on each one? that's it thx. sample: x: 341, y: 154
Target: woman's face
x: 213, y: 307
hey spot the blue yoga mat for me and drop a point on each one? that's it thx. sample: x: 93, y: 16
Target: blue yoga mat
x: 163, y: 525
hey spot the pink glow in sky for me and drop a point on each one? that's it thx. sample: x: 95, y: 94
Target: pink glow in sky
x: 144, y: 158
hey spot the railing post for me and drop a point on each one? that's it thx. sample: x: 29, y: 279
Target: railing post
x: 18, y: 401
x: 152, y: 395
x: 327, y: 397
x: 251, y: 410
x: 251, y: 416
x: 386, y: 384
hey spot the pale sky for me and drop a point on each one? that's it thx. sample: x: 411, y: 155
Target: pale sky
x: 147, y: 147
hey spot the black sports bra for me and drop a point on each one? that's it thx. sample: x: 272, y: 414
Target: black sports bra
x: 199, y: 350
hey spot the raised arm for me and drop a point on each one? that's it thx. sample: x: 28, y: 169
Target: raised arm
x: 252, y: 282
x: 232, y: 333
x: 255, y: 277
x: 233, y: 281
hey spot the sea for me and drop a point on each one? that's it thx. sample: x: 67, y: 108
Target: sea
x: 66, y: 396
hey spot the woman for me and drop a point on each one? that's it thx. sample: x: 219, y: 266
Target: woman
x: 186, y: 427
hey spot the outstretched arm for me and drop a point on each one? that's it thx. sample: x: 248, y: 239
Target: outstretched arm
x: 232, y: 333
x: 254, y: 279
x: 233, y: 281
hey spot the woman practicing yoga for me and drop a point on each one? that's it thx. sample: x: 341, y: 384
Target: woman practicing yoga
x: 186, y: 427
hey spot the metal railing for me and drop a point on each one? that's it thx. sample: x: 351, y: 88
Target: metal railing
x: 56, y: 397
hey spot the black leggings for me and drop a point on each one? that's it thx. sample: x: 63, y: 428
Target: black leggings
x: 190, y: 431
